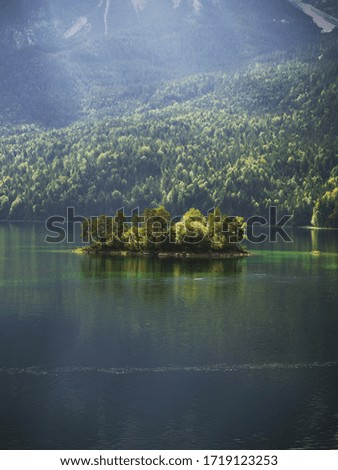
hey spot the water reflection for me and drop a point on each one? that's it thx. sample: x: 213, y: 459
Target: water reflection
x: 141, y: 266
x: 77, y: 319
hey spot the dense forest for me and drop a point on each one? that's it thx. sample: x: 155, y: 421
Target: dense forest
x: 243, y: 141
x: 128, y: 119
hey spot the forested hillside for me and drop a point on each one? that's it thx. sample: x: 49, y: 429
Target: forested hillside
x: 193, y: 103
x: 242, y: 141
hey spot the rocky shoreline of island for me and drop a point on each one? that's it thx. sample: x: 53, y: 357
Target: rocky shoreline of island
x: 92, y: 250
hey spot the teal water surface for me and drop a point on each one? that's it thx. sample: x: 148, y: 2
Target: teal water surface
x: 138, y: 353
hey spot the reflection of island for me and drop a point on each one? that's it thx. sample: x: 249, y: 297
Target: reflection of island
x: 155, y: 233
x: 145, y: 267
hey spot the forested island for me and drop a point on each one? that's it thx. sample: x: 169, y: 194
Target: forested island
x: 156, y: 232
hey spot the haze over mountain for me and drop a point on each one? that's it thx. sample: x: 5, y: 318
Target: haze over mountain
x: 65, y: 60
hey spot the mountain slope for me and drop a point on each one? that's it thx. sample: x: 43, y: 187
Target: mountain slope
x: 231, y: 104
x: 61, y: 61
x: 267, y: 136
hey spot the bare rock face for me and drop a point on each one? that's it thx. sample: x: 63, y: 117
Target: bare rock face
x: 324, y: 13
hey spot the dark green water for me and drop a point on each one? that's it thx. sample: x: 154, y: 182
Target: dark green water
x: 100, y: 353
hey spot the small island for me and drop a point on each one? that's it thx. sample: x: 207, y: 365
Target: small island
x: 157, y: 233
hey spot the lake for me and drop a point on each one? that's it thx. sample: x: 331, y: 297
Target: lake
x: 138, y: 353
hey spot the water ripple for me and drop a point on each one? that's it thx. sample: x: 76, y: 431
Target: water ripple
x: 221, y: 368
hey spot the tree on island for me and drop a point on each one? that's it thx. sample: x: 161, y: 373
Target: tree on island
x: 156, y: 231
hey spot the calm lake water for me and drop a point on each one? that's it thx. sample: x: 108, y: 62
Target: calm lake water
x: 110, y: 353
